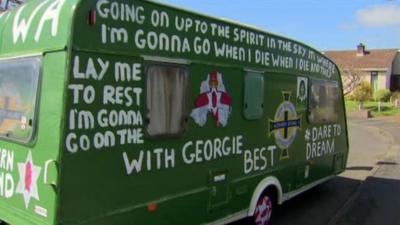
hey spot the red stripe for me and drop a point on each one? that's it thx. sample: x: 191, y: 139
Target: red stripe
x: 225, y: 99
x: 201, y: 100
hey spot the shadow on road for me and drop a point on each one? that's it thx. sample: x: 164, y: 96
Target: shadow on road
x: 378, y: 203
x: 368, y: 168
x: 386, y: 163
x: 316, y: 206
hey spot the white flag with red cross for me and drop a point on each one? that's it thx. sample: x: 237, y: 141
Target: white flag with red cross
x: 213, y: 99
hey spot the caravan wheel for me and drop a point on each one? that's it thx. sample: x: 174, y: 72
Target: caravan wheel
x: 264, y: 209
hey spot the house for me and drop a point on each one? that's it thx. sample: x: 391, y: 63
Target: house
x: 3, y: 5
x: 379, y: 67
x: 10, y: 4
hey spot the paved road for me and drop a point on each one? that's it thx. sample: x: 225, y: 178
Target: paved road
x: 330, y: 203
x: 368, y: 145
x: 377, y: 201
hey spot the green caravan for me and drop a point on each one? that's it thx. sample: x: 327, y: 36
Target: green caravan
x: 136, y: 112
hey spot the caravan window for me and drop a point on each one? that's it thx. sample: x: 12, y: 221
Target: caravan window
x: 324, y: 102
x: 253, y: 95
x: 166, y: 99
x: 19, y: 80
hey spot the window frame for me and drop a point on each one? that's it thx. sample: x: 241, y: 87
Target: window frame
x: 310, y: 84
x: 38, y: 65
x: 164, y: 63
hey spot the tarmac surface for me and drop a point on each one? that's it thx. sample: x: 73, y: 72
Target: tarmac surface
x: 366, y: 193
x: 377, y: 200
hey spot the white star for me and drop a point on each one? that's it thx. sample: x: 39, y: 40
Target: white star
x: 28, y: 176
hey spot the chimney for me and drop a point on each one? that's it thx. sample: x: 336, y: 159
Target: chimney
x: 361, y: 50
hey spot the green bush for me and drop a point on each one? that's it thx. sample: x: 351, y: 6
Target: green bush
x: 382, y: 95
x: 349, y: 97
x: 363, y: 92
x: 396, y: 95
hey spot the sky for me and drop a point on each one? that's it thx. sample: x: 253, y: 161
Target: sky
x: 322, y: 24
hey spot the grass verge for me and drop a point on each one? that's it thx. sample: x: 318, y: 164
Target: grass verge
x: 387, y: 108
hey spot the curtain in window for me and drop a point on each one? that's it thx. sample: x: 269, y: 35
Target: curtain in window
x: 166, y: 100
x: 324, y: 102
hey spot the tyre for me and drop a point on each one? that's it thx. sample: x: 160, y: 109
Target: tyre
x: 265, y: 209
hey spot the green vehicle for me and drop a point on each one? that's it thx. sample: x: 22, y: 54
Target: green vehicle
x: 134, y: 112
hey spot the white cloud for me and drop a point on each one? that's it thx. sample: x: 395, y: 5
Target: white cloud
x: 379, y: 16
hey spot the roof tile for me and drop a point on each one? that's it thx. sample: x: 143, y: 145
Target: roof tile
x: 380, y: 58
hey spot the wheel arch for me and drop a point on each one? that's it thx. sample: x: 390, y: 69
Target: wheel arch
x: 267, y: 182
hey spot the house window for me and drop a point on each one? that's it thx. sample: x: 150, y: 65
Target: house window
x: 19, y: 84
x: 374, y: 81
x: 166, y: 99
x: 253, y: 96
x: 323, y: 102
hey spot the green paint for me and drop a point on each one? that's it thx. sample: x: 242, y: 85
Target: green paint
x: 92, y: 159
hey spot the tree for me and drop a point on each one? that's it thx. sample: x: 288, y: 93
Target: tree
x: 362, y: 93
x: 351, y: 80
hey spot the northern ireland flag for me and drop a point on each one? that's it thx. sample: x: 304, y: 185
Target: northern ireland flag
x: 213, y: 99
